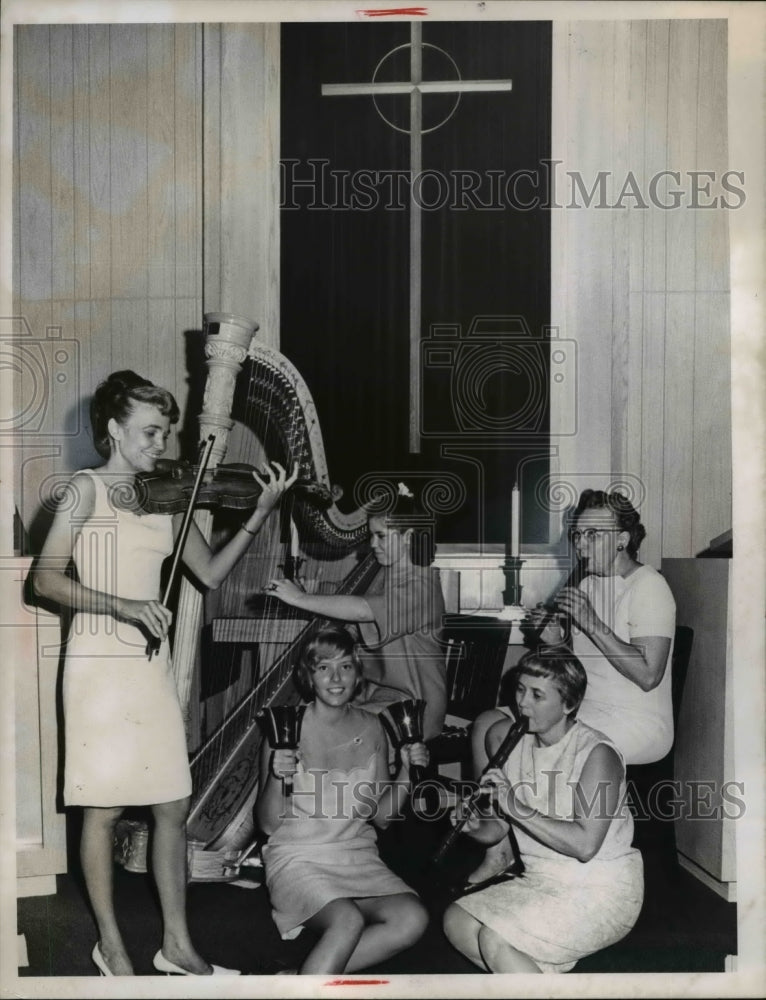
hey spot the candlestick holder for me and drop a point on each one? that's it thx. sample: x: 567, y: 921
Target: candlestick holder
x: 513, y: 609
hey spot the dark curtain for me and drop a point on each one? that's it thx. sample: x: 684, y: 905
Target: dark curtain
x: 486, y: 259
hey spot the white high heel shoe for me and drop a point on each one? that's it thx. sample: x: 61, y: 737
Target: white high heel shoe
x: 98, y: 961
x: 162, y: 964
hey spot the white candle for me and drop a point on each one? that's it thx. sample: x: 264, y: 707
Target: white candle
x: 515, y: 521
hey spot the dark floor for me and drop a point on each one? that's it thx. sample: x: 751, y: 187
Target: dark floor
x: 683, y: 927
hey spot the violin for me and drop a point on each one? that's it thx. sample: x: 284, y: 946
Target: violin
x: 169, y: 488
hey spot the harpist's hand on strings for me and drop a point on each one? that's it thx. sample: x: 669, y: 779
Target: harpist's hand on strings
x: 274, y: 483
x: 286, y: 591
x: 153, y: 616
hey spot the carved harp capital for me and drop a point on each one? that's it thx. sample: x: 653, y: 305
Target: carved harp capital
x: 227, y: 341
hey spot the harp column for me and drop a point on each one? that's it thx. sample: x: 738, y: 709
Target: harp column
x: 227, y: 341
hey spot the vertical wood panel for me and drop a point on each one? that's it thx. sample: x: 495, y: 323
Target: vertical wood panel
x: 187, y: 130
x: 32, y: 247
x: 34, y: 177
x: 712, y: 224
x: 241, y: 136
x: 128, y: 160
x: 163, y: 348
x: 621, y: 251
x: 677, y: 487
x: 211, y: 147
x: 653, y: 425
x: 160, y: 126
x: 588, y: 239
x: 108, y: 159
x: 711, y: 450
x: 636, y: 114
x: 81, y: 161
x: 683, y: 88
x: 635, y: 402
x: 656, y: 152
x: 62, y: 161
x: 99, y: 86
x: 662, y: 107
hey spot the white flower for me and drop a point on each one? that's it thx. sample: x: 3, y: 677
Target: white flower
x: 404, y: 491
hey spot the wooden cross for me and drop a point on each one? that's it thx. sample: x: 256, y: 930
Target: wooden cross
x: 416, y: 86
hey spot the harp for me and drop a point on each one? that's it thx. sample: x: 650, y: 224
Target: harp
x: 258, y: 407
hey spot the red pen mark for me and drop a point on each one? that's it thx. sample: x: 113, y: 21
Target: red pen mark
x: 357, y: 982
x: 402, y: 11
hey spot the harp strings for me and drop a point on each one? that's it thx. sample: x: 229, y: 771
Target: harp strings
x: 274, y: 419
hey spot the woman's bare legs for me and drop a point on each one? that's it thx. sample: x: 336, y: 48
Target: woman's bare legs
x: 358, y: 933
x: 393, y: 923
x: 97, y: 857
x: 169, y: 869
x: 462, y: 931
x: 340, y: 925
x: 483, y: 946
x: 501, y: 956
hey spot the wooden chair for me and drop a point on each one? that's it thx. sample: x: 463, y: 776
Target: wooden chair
x: 474, y: 659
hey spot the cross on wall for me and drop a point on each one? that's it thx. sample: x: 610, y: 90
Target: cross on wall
x: 415, y: 87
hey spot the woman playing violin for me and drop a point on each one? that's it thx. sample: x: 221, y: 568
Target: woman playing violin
x: 125, y: 740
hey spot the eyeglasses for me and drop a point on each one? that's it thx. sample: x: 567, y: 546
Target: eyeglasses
x: 589, y: 534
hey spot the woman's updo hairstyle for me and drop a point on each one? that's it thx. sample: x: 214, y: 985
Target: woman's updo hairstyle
x: 402, y: 512
x: 114, y: 399
x: 626, y: 516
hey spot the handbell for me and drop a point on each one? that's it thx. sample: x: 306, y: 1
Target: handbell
x: 403, y: 721
x: 281, y: 725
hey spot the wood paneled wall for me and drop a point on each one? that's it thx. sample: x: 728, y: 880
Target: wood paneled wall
x: 107, y: 222
x: 137, y: 144
x: 146, y: 193
x: 241, y: 165
x: 644, y: 291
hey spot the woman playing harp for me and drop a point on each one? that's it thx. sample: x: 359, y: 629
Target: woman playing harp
x: 400, y: 620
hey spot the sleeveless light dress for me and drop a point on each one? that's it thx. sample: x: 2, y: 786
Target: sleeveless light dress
x: 563, y: 909
x: 124, y: 735
x: 326, y: 849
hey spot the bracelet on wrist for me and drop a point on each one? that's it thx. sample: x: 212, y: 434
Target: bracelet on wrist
x: 246, y: 529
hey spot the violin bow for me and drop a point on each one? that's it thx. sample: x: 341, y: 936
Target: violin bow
x: 153, y: 644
